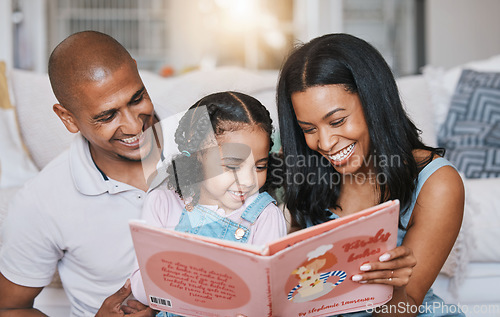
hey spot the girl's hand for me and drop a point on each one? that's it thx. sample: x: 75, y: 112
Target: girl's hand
x: 393, y: 268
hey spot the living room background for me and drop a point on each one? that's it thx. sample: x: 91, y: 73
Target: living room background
x: 175, y: 36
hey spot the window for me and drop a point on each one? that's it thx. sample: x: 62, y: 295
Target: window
x: 139, y: 25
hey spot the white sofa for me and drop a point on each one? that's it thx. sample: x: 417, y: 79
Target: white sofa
x: 470, y: 276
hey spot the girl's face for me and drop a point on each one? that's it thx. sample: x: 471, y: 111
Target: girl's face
x: 334, y: 125
x: 235, y: 169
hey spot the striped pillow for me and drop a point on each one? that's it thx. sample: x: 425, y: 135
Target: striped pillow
x: 471, y: 131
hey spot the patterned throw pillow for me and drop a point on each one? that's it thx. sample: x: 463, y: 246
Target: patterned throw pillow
x: 471, y: 131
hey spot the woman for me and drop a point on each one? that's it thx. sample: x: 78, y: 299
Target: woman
x: 340, y: 112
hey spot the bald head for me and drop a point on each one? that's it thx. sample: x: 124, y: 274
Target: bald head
x: 87, y: 56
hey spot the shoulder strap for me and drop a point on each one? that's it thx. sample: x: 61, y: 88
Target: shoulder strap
x: 253, y: 211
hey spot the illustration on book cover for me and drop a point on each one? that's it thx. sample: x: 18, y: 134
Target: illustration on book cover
x: 315, y: 281
x: 321, y: 272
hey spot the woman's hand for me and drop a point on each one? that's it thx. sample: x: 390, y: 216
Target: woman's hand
x: 393, y: 268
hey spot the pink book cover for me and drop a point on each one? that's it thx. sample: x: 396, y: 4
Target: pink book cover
x: 306, y: 273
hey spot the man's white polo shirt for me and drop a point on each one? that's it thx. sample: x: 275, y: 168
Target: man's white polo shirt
x: 71, y: 212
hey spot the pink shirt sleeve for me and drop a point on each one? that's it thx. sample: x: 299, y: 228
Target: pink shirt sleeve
x: 163, y: 209
x: 270, y: 226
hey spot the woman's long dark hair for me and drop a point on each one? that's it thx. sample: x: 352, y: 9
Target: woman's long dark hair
x: 213, y: 115
x: 342, y: 59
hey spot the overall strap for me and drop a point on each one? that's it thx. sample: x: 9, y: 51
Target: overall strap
x: 253, y: 211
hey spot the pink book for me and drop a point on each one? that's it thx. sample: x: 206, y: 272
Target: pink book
x: 307, y: 273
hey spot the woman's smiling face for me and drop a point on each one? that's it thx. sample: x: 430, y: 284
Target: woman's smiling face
x: 334, y: 125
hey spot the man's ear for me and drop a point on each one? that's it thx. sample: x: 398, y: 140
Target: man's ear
x: 67, y: 118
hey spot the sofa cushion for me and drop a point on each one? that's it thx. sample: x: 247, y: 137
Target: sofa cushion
x: 484, y: 207
x: 183, y: 91
x: 42, y: 131
x: 15, y: 164
x: 416, y: 99
x: 471, y: 131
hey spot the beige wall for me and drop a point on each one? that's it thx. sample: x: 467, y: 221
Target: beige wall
x: 459, y: 31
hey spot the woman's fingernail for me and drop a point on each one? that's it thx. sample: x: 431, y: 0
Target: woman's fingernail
x: 384, y: 257
x: 127, y: 283
x: 365, y: 267
x: 356, y: 278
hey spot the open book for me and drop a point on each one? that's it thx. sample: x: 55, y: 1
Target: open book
x: 307, y: 273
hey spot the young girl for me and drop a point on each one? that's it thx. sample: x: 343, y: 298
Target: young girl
x: 216, y: 186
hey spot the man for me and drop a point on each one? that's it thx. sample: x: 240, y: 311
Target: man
x: 74, y: 215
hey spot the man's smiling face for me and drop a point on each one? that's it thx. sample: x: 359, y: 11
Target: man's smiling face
x: 114, y: 113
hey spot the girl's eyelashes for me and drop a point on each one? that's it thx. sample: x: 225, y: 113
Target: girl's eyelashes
x: 260, y: 168
x: 232, y: 167
x: 237, y: 167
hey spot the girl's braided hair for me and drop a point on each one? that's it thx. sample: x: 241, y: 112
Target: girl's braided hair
x: 210, y: 117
